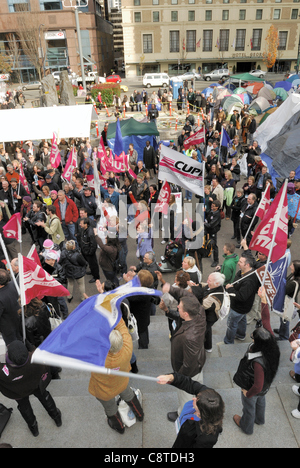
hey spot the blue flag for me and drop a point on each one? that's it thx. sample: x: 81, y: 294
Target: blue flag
x: 275, y: 282
x: 225, y: 140
x: 83, y: 338
x: 118, y: 145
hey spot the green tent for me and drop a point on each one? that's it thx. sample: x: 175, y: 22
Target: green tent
x: 134, y: 132
x: 132, y: 127
x: 246, y: 77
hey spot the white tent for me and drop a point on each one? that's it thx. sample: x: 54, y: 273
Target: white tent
x: 40, y: 122
x: 273, y: 124
x: 260, y: 104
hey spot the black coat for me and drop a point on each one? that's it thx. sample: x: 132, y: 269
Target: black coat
x: 149, y: 157
x: 9, y: 317
x: 190, y: 434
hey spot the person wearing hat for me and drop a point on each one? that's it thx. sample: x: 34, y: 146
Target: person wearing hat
x: 19, y: 379
x: 112, y: 194
x: 50, y: 183
x: 87, y: 200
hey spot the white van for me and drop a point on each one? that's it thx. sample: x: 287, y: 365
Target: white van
x: 156, y: 79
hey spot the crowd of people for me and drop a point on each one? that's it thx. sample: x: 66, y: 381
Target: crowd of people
x: 77, y: 237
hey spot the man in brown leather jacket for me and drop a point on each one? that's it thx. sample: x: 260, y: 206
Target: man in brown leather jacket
x: 187, y: 345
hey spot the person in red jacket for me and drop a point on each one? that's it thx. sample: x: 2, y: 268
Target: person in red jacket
x: 67, y: 212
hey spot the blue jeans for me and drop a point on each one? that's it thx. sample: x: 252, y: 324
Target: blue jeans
x: 188, y: 194
x: 253, y: 412
x: 236, y: 326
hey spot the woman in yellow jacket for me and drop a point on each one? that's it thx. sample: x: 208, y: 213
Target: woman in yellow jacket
x: 106, y: 387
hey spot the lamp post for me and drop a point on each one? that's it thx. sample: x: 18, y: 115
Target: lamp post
x: 78, y: 4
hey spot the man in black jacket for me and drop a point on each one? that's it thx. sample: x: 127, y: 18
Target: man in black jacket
x: 212, y: 227
x: 149, y: 159
x: 9, y: 306
x: 88, y: 246
x: 248, y: 211
x: 244, y: 288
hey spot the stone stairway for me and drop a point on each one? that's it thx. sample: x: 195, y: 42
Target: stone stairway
x: 84, y: 421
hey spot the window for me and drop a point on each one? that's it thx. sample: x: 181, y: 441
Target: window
x: 226, y: 1
x: 155, y: 16
x: 294, y: 14
x: 47, y: 5
x: 282, y: 37
x: 191, y: 16
x: 224, y: 39
x: 18, y: 5
x: 155, y: 2
x: 243, y: 1
x: 225, y: 15
x: 276, y: 15
x: 191, y: 41
x: 207, y: 40
x: 208, y: 1
x: 147, y: 43
x: 174, y: 2
x: 174, y: 41
x: 208, y: 15
x: 191, y: 1
x: 278, y: 1
x: 259, y: 14
x: 256, y: 39
x: 137, y: 2
x: 240, y: 39
x: 174, y: 15
x: 137, y: 16
x: 242, y: 15
x: 260, y: 1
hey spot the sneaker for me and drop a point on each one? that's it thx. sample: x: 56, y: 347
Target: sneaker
x: 295, y: 389
x: 296, y: 414
x: 214, y: 264
x: 210, y: 351
x: 163, y: 242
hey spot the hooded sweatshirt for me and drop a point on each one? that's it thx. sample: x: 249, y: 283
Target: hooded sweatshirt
x: 229, y: 267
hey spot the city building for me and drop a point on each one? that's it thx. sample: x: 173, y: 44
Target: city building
x: 175, y: 35
x: 52, y: 35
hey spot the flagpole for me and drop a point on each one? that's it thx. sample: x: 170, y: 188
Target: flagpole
x: 8, y: 263
x: 276, y: 224
x: 245, y: 237
x: 22, y: 293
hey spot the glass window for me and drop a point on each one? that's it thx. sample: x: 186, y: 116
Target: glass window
x: 47, y: 5
x: 137, y: 16
x: 174, y: 41
x: 191, y: 41
x: 226, y: 1
x: 208, y: 1
x: 294, y: 13
x: 174, y: 15
x: 18, y: 5
x: 242, y: 15
x: 240, y: 39
x: 282, y: 36
x: 155, y: 2
x: 224, y: 39
x: 225, y: 15
x: 191, y: 16
x: 155, y: 16
x: 191, y: 1
x: 276, y: 15
x: 174, y: 2
x: 137, y: 2
x: 207, y: 40
x: 147, y: 43
x: 208, y: 15
x: 256, y: 39
x: 259, y: 14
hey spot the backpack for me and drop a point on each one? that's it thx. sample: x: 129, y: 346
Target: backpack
x: 206, y: 250
x: 225, y: 308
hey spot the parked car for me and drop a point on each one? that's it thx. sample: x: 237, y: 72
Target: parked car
x: 32, y: 85
x: 189, y: 76
x: 113, y: 79
x: 216, y: 75
x: 156, y: 79
x: 258, y: 73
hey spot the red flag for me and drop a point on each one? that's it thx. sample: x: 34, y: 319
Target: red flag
x: 162, y: 204
x: 195, y: 139
x: 23, y: 179
x: 33, y: 255
x: 102, y: 156
x: 12, y: 229
x: 55, y: 157
x: 271, y: 233
x: 264, y: 204
x: 37, y: 283
x: 71, y: 164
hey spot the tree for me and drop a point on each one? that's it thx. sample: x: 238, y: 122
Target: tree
x: 272, y: 42
x: 28, y: 33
